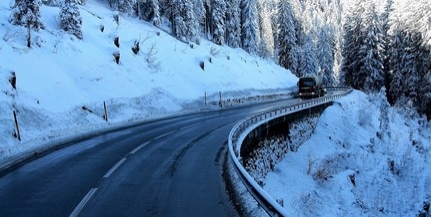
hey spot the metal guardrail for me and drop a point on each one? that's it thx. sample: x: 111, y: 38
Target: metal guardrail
x: 245, y: 126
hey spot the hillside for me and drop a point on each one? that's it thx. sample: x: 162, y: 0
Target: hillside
x: 62, y: 82
x: 350, y: 166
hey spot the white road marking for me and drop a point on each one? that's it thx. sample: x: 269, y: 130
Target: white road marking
x: 114, y: 168
x: 84, y: 201
x: 139, y: 147
x: 163, y: 135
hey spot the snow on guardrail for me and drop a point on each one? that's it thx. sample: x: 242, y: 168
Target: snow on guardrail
x: 245, y: 126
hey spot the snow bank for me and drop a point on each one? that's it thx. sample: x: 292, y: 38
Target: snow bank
x: 344, y: 169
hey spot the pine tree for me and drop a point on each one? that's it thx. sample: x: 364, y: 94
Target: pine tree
x: 125, y: 6
x: 352, y: 36
x: 308, y: 63
x: 287, y: 42
x: 233, y: 23
x: 184, y: 23
x: 386, y: 50
x: 27, y: 13
x: 371, y: 51
x: 70, y: 18
x: 249, y: 26
x: 409, y: 69
x: 396, y: 38
x: 218, y: 8
x: 266, y: 44
x: 149, y: 10
x: 200, y: 12
x: 325, y: 55
x: 419, y: 27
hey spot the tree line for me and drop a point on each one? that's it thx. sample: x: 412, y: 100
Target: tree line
x: 366, y: 44
x: 388, y: 44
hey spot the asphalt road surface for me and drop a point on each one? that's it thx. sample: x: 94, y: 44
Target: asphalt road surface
x: 168, y: 167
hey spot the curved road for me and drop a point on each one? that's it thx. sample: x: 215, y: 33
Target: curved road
x: 168, y: 167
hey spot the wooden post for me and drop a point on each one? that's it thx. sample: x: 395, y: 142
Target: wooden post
x: 18, y: 135
x: 220, y: 102
x: 106, y: 111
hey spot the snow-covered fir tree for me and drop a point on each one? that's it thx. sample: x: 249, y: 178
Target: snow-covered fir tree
x: 149, y: 10
x: 287, y: 41
x: 386, y: 47
x: 125, y: 6
x: 371, y: 51
x: 308, y: 62
x: 409, y: 69
x: 183, y: 20
x: 218, y: 9
x: 200, y: 12
x: 233, y: 23
x: 250, y: 26
x: 27, y: 13
x: 266, y: 44
x: 70, y: 18
x: 350, y: 48
x: 325, y: 54
x: 273, y: 8
x: 396, y: 37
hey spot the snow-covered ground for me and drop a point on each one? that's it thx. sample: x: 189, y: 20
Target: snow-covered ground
x: 60, y: 75
x: 62, y: 82
x: 344, y: 169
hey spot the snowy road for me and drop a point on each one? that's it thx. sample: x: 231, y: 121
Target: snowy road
x: 169, y: 167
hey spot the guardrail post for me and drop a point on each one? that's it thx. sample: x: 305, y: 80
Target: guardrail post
x: 105, y: 116
x: 220, y: 102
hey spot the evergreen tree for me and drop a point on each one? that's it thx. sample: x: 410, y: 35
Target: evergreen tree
x: 419, y: 27
x: 352, y: 36
x: 409, y: 69
x: 250, y: 26
x: 325, y: 55
x: 308, y: 63
x: 396, y: 45
x: 27, y: 13
x: 273, y: 8
x: 233, y: 23
x: 125, y: 6
x: 372, y: 51
x: 386, y: 50
x: 184, y: 23
x: 287, y: 42
x: 266, y: 44
x: 70, y: 18
x: 218, y: 8
x: 200, y: 13
x: 149, y: 10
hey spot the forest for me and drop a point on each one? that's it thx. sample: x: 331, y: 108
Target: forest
x: 370, y: 45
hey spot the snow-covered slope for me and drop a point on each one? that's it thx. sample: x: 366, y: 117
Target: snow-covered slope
x: 61, y: 75
x: 344, y: 169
